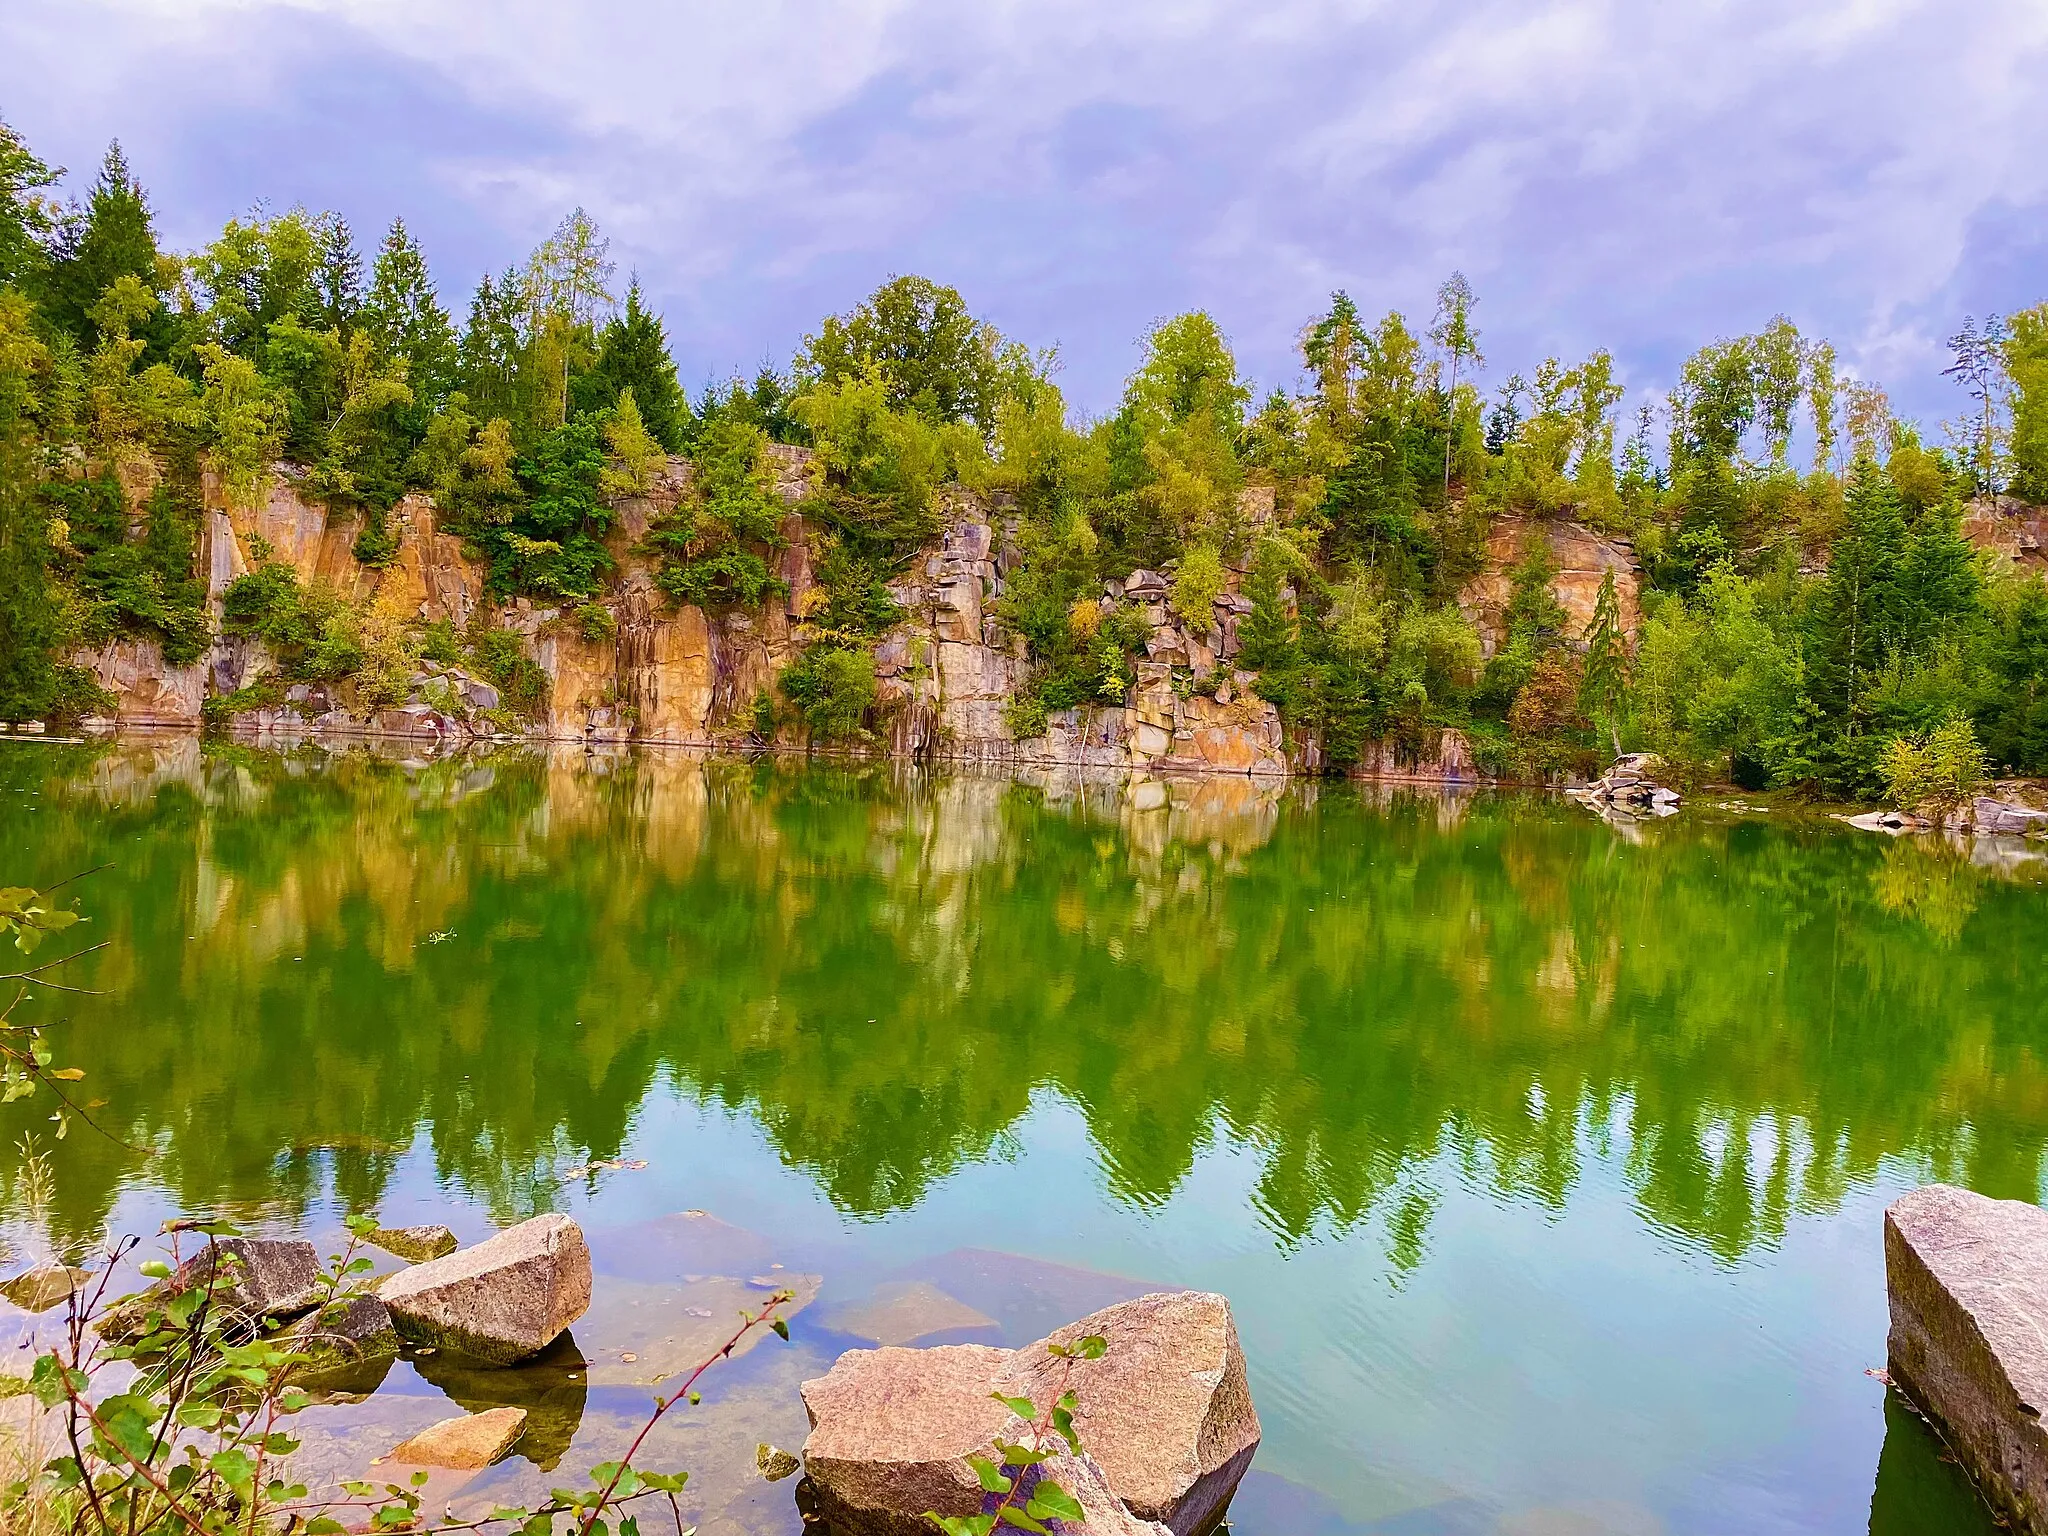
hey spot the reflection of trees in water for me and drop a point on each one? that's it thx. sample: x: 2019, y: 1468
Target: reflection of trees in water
x: 883, y: 969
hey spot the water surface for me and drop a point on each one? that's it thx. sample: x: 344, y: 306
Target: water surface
x: 1543, y: 1163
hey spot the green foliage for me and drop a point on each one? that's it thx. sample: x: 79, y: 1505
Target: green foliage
x: 832, y: 688
x: 713, y: 545
x: 405, y: 323
x: 928, y: 355
x: 633, y: 355
x: 1934, y: 774
x: 93, y: 248
x: 1197, y: 584
x: 26, y: 216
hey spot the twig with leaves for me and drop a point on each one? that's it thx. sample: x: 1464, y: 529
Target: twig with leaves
x: 1026, y: 1496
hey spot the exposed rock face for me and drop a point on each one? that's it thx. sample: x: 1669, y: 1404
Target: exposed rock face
x: 1165, y: 1417
x: 252, y: 1278
x: 1988, y: 815
x: 1584, y: 559
x: 508, y: 1297
x: 947, y: 677
x: 1967, y: 1278
x: 471, y: 1441
x: 147, y: 691
x: 2009, y: 527
x: 415, y: 1245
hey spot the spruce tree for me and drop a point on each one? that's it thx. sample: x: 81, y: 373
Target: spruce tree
x: 1941, y: 586
x: 111, y: 237
x: 492, y: 351
x: 406, y: 321
x: 633, y: 354
x: 1858, y: 614
x: 340, y: 278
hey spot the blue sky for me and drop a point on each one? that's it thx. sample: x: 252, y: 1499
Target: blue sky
x: 1637, y: 174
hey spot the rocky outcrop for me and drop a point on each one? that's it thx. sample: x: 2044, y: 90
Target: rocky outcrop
x: 508, y: 1297
x: 1164, y: 1416
x: 1584, y: 559
x: 1967, y: 1279
x: 949, y: 676
x: 250, y: 1278
x: 2007, y: 526
x: 1628, y: 792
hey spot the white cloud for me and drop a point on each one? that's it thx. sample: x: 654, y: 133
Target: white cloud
x: 1606, y: 171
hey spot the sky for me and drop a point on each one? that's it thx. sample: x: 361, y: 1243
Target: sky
x: 1638, y: 175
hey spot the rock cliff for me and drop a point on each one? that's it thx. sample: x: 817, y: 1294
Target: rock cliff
x: 946, y: 675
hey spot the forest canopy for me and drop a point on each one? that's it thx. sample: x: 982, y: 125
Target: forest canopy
x: 1809, y: 598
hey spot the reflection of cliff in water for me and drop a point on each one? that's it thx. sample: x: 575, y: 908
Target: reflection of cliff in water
x: 314, y: 959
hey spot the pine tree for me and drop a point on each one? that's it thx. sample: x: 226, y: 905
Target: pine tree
x: 406, y: 321
x: 634, y: 355
x: 111, y: 237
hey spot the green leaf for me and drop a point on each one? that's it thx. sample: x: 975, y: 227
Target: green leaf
x: 1010, y: 1514
x: 992, y: 1479
x: 1091, y: 1347
x: 1063, y: 1425
x: 665, y: 1482
x: 603, y: 1473
x: 1021, y: 1455
x: 48, y: 1379
x: 780, y: 1327
x: 234, y: 1467
x: 962, y: 1525
x: 156, y: 1269
x: 1049, y: 1501
x: 324, y: 1525
x: 1023, y: 1407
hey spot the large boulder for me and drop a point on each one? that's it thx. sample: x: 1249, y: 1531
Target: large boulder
x: 508, y: 1297
x: 251, y: 1277
x: 1165, y: 1418
x: 1967, y: 1278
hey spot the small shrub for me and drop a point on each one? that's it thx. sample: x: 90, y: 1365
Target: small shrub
x: 832, y: 688
x: 1025, y: 716
x: 595, y: 622
x: 1935, y: 774
x: 1197, y: 585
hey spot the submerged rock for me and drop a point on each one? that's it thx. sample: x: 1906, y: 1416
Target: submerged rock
x: 416, y: 1245
x: 258, y: 1278
x: 550, y: 1388
x: 508, y: 1297
x: 471, y: 1441
x: 1967, y: 1279
x: 1165, y: 1417
x: 44, y: 1287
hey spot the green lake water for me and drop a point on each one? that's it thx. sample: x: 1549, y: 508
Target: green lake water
x: 1543, y: 1162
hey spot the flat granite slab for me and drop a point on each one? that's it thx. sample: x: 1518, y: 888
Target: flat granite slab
x: 1967, y: 1278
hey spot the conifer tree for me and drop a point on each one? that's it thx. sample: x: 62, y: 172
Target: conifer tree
x: 1604, y: 680
x: 633, y: 354
x: 340, y: 277
x: 406, y: 321
x: 1857, y: 615
x: 110, y: 238
x: 493, y: 349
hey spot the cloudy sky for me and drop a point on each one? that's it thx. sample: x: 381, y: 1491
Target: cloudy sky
x: 1637, y: 174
